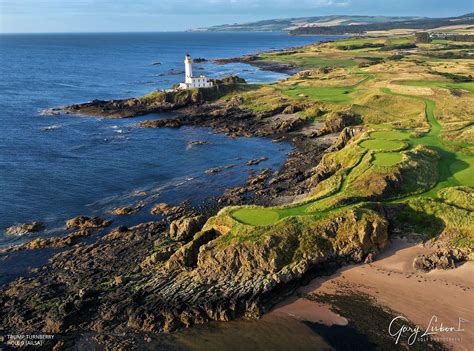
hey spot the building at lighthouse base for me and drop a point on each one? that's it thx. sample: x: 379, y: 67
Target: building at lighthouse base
x: 196, y: 82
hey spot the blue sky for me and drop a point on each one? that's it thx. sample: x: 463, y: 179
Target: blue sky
x: 175, y: 15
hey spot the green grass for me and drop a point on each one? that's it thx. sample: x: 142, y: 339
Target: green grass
x: 387, y: 159
x: 383, y: 145
x: 313, y: 61
x: 468, y: 86
x: 454, y: 165
x: 336, y: 95
x: 461, y: 196
x: 400, y: 41
x: 389, y: 135
x: 454, y: 169
x: 256, y: 216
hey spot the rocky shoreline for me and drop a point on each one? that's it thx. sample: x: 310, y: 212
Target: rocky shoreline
x: 264, y: 65
x: 154, y: 277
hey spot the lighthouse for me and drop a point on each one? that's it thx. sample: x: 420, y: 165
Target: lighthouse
x: 190, y: 81
x: 188, y: 68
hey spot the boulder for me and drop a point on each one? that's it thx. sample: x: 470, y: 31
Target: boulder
x: 127, y: 210
x: 25, y: 228
x: 256, y: 161
x: 57, y: 242
x: 290, y: 109
x: 337, y: 121
x: 161, y: 208
x: 84, y: 222
x: 184, y: 228
x: 442, y: 259
x: 199, y: 142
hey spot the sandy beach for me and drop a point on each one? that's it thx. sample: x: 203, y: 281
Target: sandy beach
x: 446, y: 298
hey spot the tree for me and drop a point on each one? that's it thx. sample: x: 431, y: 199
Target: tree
x: 423, y: 37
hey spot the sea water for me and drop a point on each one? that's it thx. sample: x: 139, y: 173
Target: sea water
x: 56, y: 167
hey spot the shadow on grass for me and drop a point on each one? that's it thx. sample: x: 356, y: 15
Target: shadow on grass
x: 411, y: 220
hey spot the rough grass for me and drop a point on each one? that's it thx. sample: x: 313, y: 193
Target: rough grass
x: 264, y: 99
x: 310, y: 60
x: 459, y: 196
x: 468, y: 86
x: 400, y: 112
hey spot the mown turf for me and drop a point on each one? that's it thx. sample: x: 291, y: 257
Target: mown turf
x: 387, y: 159
x: 338, y: 95
x: 256, y: 216
x: 328, y: 94
x: 383, y: 145
x: 389, y: 135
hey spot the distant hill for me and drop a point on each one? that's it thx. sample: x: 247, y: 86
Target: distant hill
x: 420, y: 23
x: 338, y: 25
x: 288, y: 24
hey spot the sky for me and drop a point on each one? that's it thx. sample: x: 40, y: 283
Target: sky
x: 38, y: 16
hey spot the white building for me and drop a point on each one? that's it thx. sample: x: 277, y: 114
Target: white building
x: 191, y: 82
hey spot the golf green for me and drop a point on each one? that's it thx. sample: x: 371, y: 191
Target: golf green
x: 382, y: 145
x: 387, y: 159
x: 256, y: 216
x: 389, y: 135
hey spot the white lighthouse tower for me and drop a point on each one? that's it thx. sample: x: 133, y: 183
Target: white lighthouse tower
x: 188, y: 68
x: 191, y: 82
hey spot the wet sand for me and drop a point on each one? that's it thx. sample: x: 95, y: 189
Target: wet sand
x: 392, y: 281
x: 278, y: 333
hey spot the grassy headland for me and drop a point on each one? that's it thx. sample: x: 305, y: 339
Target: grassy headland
x: 418, y: 128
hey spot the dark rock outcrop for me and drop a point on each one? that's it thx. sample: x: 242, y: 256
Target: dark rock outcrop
x: 25, y: 228
x: 157, y: 101
x: 337, y: 121
x: 440, y: 259
x: 184, y: 228
x: 137, y: 279
x: 256, y: 161
x: 199, y: 142
x: 128, y: 210
x: 264, y: 65
x: 84, y: 222
x: 57, y: 242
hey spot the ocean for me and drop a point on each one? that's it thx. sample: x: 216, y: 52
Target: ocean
x: 56, y: 167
